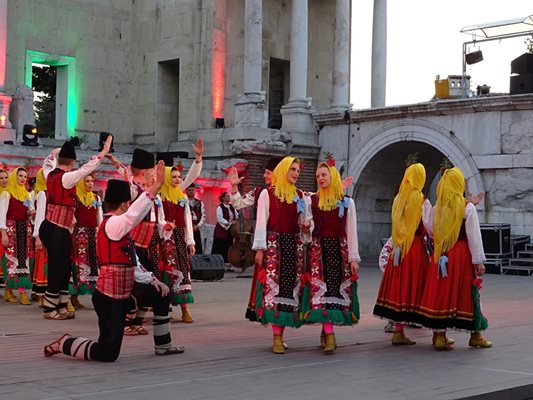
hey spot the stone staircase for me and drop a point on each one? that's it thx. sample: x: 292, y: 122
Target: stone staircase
x: 522, y: 263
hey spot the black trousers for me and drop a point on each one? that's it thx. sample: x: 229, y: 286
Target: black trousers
x: 58, y: 244
x: 198, y: 243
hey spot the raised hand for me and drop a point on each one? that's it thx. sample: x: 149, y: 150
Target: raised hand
x: 347, y: 182
x: 198, y: 149
x: 475, y: 200
x: 233, y: 176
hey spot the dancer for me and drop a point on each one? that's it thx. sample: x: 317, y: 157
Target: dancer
x: 279, y: 249
x: 330, y: 296
x: 3, y: 186
x: 404, y: 275
x: 451, y: 294
x: 16, y: 209
x: 88, y: 218
x: 119, y: 269
x: 177, y: 273
x: 198, y: 217
x: 222, y: 238
x: 55, y: 231
x: 40, y: 279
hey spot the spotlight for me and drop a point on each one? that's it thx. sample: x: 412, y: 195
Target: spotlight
x: 474, y: 57
x: 219, y: 123
x: 30, y: 137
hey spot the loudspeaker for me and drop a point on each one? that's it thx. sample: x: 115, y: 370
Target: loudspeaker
x: 207, y: 267
x: 522, y: 65
x: 474, y: 57
x: 521, y: 84
x: 496, y: 240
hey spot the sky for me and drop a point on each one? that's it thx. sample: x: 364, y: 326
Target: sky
x: 424, y: 40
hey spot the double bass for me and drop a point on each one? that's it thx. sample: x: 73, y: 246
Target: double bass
x: 240, y: 254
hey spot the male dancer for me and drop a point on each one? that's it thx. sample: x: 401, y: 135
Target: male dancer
x: 55, y: 230
x: 119, y: 274
x: 198, y: 216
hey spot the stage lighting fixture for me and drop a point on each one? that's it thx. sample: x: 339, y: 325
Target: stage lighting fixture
x: 30, y: 137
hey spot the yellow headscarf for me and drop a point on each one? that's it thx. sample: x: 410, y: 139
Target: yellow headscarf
x: 17, y: 191
x: 284, y: 190
x: 2, y: 189
x: 171, y: 193
x: 86, y: 198
x: 327, y: 198
x: 40, y: 182
x: 449, y: 211
x: 407, y: 208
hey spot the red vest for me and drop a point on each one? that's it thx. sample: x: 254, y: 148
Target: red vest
x: 327, y: 223
x: 174, y: 213
x: 110, y: 252
x: 56, y: 193
x: 16, y: 211
x: 86, y: 216
x: 283, y: 217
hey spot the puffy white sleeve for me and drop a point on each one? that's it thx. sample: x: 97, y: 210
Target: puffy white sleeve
x: 351, y: 233
x: 161, y: 221
x: 239, y: 202
x: 473, y: 234
x: 99, y: 212
x: 70, y: 179
x: 49, y: 164
x: 263, y: 207
x: 427, y: 217
x: 143, y: 276
x: 40, y: 212
x: 224, y: 223
x: 194, y: 172
x: 189, y: 236
x: 4, y: 205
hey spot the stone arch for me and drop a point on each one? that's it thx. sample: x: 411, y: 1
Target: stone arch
x: 416, y: 130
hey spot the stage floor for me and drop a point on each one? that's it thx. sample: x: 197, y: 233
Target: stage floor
x: 229, y: 358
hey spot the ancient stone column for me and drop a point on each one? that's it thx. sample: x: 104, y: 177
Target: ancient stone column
x: 250, y: 108
x: 5, y: 100
x: 341, y: 57
x: 296, y: 113
x: 379, y: 54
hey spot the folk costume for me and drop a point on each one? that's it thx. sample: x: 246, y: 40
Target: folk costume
x: 330, y: 294
x: 55, y: 231
x: 197, y: 209
x: 250, y: 199
x: 3, y: 187
x: 177, y: 269
x: 40, y: 267
x: 17, y: 262
x: 277, y: 234
x: 120, y: 273
x: 85, y: 265
x: 451, y: 295
x: 405, y: 272
x: 222, y: 238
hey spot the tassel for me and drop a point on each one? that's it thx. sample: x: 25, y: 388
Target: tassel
x: 276, y: 314
x: 397, y: 254
x: 260, y: 312
x: 443, y: 261
x: 325, y: 312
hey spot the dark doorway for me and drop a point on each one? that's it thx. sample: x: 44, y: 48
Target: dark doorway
x: 44, y: 85
x: 278, y: 90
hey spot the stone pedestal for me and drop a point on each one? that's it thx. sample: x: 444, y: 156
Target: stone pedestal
x: 7, y: 134
x: 297, y: 116
x: 250, y: 111
x: 5, y: 102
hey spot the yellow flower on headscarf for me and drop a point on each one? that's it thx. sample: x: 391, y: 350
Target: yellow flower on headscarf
x: 407, y: 208
x: 328, y: 197
x: 17, y: 191
x: 284, y: 190
x: 86, y: 198
x: 449, y: 211
x: 171, y: 193
x: 40, y: 182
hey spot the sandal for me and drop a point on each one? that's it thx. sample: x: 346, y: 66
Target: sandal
x: 130, y: 331
x: 54, y: 315
x: 53, y: 348
x: 141, y: 330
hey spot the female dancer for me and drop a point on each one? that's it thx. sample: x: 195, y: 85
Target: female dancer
x: 3, y: 186
x: 226, y: 216
x: 451, y: 293
x: 40, y: 280
x: 177, y: 270
x: 405, y: 272
x: 88, y: 218
x: 330, y: 297
x: 280, y: 250
x: 15, y: 212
